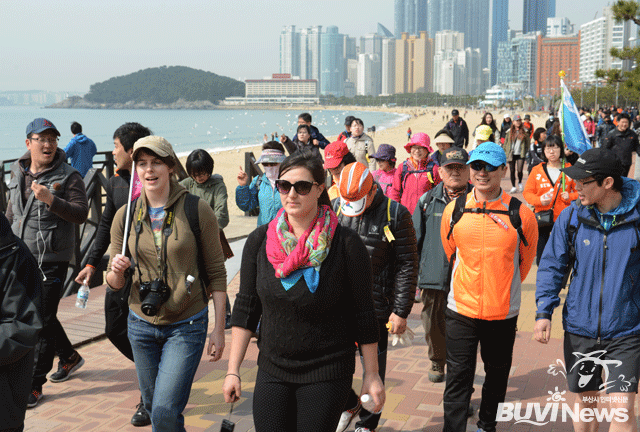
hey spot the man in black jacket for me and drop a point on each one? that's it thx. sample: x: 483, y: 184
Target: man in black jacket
x: 116, y: 305
x: 387, y: 231
x: 20, y: 325
x: 623, y: 141
x: 603, y: 129
x: 458, y: 128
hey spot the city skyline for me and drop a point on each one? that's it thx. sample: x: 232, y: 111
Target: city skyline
x: 85, y: 43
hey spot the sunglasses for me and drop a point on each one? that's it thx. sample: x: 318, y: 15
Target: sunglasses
x: 302, y: 187
x: 479, y: 166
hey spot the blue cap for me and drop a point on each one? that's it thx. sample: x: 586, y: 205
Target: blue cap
x: 39, y: 125
x: 490, y: 153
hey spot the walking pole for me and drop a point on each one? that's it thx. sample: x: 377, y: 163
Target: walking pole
x: 127, y: 222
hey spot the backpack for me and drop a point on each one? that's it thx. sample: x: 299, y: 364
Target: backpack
x: 458, y: 211
x: 405, y: 171
x: 191, y: 210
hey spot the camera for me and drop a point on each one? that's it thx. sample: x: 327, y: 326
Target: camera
x: 227, y: 426
x: 153, y: 294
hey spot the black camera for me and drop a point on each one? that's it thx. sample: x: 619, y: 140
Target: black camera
x: 153, y: 294
x: 227, y: 426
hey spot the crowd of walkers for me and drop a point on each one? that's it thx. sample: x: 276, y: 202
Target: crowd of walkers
x: 347, y: 239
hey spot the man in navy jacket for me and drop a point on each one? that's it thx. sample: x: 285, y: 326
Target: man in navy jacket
x: 601, y: 316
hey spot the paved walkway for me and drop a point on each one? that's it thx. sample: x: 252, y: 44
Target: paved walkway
x: 103, y: 394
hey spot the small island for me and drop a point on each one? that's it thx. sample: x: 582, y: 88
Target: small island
x: 165, y: 87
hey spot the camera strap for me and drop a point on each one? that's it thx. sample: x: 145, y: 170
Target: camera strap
x: 167, y: 229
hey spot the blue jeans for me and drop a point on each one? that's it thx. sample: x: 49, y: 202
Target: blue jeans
x: 166, y: 359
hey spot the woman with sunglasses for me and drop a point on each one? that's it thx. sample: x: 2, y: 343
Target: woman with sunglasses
x: 309, y: 282
x: 549, y: 189
x: 168, y: 311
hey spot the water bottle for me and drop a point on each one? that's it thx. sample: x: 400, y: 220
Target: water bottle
x: 83, y: 296
x: 189, y: 282
x: 367, y: 403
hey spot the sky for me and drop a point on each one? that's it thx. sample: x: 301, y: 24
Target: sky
x: 67, y: 45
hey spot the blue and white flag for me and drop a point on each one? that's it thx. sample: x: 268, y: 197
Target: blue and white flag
x: 574, y: 134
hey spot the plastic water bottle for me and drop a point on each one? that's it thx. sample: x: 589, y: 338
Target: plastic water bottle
x: 367, y: 403
x: 83, y: 296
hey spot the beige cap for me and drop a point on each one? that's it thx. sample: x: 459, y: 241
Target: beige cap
x: 156, y: 144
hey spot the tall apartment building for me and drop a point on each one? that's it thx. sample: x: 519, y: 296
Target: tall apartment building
x: 368, y: 75
x: 499, y: 33
x: 597, y: 38
x: 388, y: 66
x: 290, y: 51
x: 517, y: 62
x: 414, y: 69
x: 310, y: 52
x: 554, y: 55
x: 332, y: 63
x: 398, y: 18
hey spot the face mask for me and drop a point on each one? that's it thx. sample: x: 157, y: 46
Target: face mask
x: 272, y: 172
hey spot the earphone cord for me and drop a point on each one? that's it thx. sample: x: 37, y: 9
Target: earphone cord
x: 40, y: 253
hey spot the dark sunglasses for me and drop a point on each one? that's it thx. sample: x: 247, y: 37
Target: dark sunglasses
x: 302, y: 187
x: 479, y: 166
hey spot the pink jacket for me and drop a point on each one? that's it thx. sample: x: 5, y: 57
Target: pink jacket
x: 384, y: 179
x: 408, y: 189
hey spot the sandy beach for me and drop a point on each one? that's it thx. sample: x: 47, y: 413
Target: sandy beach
x: 227, y: 163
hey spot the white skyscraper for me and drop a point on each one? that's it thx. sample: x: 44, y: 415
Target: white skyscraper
x: 388, y: 66
x: 597, y: 37
x: 290, y: 51
x: 368, y: 75
x: 558, y: 27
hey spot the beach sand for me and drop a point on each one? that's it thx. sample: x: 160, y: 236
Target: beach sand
x: 227, y: 163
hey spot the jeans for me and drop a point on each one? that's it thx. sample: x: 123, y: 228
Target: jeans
x: 166, y: 359
x: 52, y: 339
x: 496, y: 339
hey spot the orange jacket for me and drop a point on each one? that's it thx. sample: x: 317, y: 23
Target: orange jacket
x: 491, y: 261
x: 539, y: 184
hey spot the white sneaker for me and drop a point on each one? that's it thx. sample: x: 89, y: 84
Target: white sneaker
x: 363, y: 429
x: 346, y: 417
x: 513, y: 190
x: 520, y: 188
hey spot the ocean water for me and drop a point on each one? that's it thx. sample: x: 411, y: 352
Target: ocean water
x: 186, y: 130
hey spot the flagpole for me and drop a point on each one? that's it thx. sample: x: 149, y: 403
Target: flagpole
x: 127, y: 222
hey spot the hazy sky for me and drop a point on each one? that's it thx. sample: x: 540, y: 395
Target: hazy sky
x: 71, y: 44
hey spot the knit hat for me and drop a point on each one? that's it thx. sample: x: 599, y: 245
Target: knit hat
x: 355, y: 184
x: 420, y: 139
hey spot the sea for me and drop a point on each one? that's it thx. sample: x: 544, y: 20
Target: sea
x: 186, y: 130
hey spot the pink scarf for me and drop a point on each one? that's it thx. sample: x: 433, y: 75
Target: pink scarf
x: 287, y: 254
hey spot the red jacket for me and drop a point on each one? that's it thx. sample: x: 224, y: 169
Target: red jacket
x: 412, y: 180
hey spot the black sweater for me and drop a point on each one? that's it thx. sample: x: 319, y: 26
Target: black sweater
x: 308, y: 337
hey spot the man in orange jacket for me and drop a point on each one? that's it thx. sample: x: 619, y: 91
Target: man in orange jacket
x: 492, y: 258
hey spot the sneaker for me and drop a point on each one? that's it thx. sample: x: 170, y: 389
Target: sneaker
x: 436, y: 374
x: 520, y: 188
x: 347, y: 416
x: 363, y: 429
x: 67, y: 368
x: 33, y: 398
x: 513, y: 190
x: 141, y: 417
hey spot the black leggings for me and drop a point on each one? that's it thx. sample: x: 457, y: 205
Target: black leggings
x: 512, y: 169
x: 280, y: 406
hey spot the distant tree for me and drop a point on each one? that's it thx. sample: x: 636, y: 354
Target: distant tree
x: 625, y: 10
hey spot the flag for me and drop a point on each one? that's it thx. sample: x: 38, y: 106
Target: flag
x: 574, y: 134
x: 137, y: 186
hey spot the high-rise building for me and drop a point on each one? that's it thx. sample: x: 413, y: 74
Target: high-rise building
x: 350, y: 48
x: 556, y: 54
x: 384, y: 32
x: 414, y: 68
x: 499, y: 32
x: 290, y: 51
x: 535, y: 14
x: 388, y: 66
x: 398, y: 18
x: 456, y: 70
x: 433, y: 17
x: 477, y: 28
x: 410, y: 16
x: 421, y: 16
x: 597, y: 39
x: 448, y: 40
x: 332, y: 62
x: 558, y: 27
x: 368, y: 75
x: 517, y: 62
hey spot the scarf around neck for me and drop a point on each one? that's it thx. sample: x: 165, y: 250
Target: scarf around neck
x: 294, y: 258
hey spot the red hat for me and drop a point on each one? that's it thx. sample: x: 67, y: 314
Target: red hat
x: 334, y: 153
